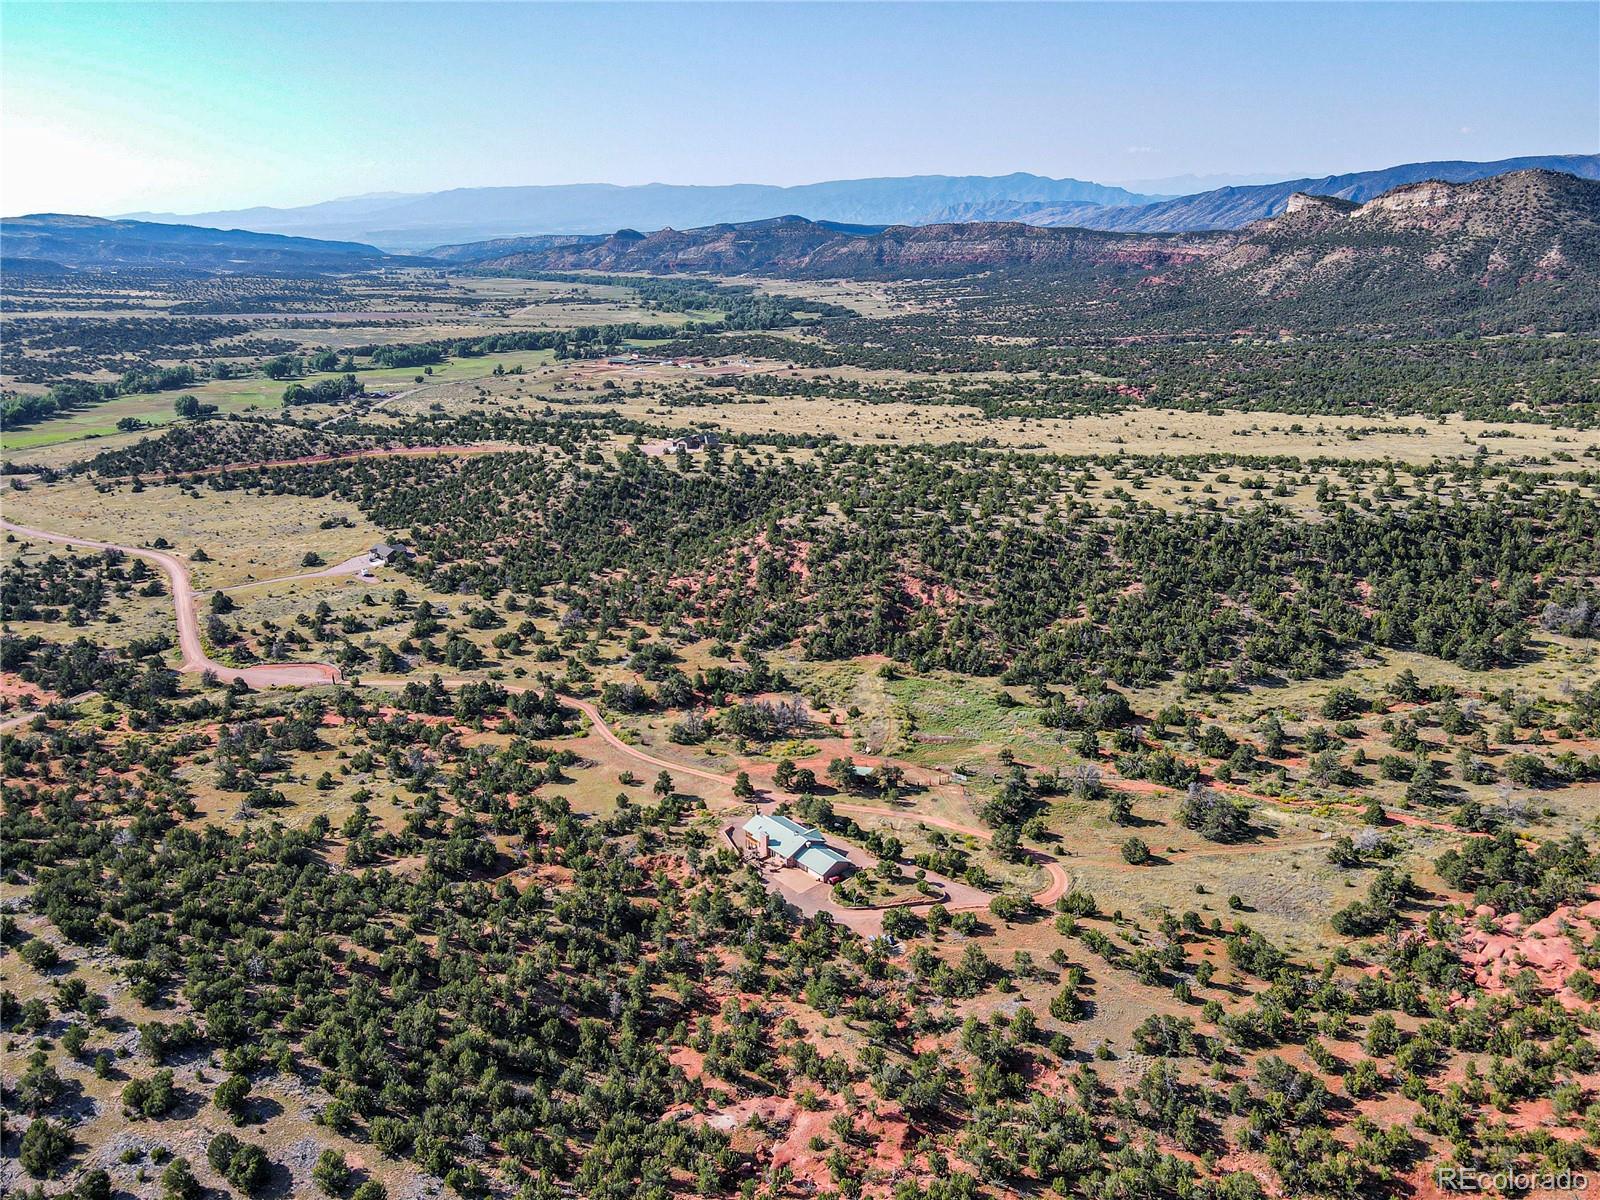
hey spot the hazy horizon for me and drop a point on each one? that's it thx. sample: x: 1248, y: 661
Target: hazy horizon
x: 1167, y: 186
x: 193, y: 108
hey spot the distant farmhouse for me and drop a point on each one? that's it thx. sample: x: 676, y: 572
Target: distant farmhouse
x: 692, y: 442
x: 772, y: 836
x: 644, y: 360
x: 687, y: 444
x: 387, y: 552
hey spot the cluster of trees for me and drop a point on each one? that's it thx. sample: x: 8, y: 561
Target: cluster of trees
x: 25, y: 408
x: 287, y: 366
x: 1054, y: 368
x: 218, y: 443
x: 137, y: 678
x: 577, y: 992
x: 1501, y: 871
x: 18, y: 409
x: 44, y: 349
x: 72, y: 587
x: 324, y: 391
x: 1219, y: 598
x: 738, y: 306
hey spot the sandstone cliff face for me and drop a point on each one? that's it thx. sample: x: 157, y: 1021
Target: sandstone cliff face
x: 1431, y: 194
x: 1508, y: 205
x: 1524, y: 247
x: 1525, y: 241
x: 1324, y: 205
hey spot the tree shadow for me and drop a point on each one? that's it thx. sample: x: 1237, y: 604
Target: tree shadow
x: 258, y: 1110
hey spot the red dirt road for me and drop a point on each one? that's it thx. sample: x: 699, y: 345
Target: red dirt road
x: 195, y: 660
x: 183, y: 602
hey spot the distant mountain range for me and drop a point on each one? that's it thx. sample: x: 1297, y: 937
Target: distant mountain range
x: 1513, y: 250
x: 1188, y: 185
x: 1510, y: 251
x: 94, y: 242
x: 415, y: 222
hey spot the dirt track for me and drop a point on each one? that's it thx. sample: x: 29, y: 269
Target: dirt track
x: 1045, y: 897
x: 355, y: 566
x: 183, y: 602
x: 195, y: 660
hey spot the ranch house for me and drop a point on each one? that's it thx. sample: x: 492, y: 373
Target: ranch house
x: 794, y: 845
x: 386, y: 552
x: 692, y: 442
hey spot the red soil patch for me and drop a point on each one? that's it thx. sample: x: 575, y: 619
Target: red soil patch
x: 13, y: 687
x: 938, y: 596
x: 691, y: 1062
x: 886, y: 1131
x: 1543, y: 947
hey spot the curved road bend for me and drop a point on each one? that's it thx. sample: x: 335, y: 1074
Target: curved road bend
x: 183, y: 603
x: 304, y: 674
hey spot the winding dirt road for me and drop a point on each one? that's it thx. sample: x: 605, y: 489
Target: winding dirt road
x: 1059, y: 883
x: 609, y: 735
x: 195, y: 660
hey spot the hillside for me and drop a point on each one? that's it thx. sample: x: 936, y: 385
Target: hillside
x: 794, y: 247
x: 73, y: 241
x: 1524, y: 243
x: 499, y: 251
x: 1513, y: 249
x: 1235, y: 207
x: 476, y: 252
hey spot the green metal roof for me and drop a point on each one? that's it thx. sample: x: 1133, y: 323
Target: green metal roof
x: 784, y: 837
x: 820, y: 859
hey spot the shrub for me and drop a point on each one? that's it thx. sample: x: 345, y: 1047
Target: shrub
x: 1214, y: 817
x: 331, y: 1174
x: 230, y: 1095
x: 178, y: 1181
x: 1342, y: 703
x: 45, y: 1146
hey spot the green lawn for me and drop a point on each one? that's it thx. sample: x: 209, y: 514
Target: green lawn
x: 967, y: 712
x: 247, y: 395
x: 100, y: 420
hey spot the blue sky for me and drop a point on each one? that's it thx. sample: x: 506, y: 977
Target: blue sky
x: 196, y: 106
